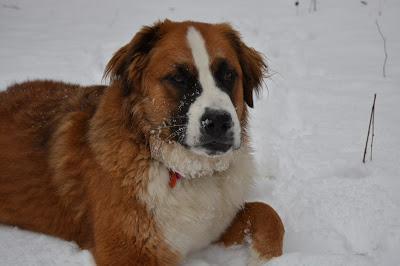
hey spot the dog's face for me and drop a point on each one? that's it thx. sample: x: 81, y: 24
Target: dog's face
x: 192, y: 81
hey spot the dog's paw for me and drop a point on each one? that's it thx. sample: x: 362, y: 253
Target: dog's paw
x: 255, y: 259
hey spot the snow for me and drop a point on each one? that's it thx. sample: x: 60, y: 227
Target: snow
x: 308, y: 128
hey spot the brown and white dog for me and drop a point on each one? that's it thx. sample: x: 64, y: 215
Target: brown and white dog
x: 149, y: 168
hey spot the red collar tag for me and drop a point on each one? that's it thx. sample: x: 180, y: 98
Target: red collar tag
x: 173, y: 178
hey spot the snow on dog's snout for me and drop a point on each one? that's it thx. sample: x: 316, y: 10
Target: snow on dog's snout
x: 213, y: 125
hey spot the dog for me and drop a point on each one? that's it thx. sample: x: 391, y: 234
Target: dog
x: 151, y: 167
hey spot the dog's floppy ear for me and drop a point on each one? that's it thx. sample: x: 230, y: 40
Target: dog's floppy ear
x: 252, y: 63
x: 128, y: 63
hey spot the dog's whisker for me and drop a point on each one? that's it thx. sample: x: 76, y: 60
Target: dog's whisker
x: 178, y: 116
x: 160, y: 127
x: 173, y: 134
x: 169, y: 126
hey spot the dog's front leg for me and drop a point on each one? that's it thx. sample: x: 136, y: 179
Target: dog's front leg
x: 262, y: 225
x: 125, y: 233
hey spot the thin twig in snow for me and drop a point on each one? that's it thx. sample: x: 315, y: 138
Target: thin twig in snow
x: 384, y: 48
x: 380, y: 8
x: 373, y: 127
x: 369, y: 129
x: 313, y: 6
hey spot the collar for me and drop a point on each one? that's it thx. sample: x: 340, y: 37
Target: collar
x: 173, y: 178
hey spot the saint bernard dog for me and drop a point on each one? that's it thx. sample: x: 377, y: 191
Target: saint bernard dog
x: 149, y: 168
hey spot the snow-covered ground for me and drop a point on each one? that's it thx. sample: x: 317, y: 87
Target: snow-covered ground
x: 308, y: 128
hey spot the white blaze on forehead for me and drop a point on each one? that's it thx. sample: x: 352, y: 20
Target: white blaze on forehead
x: 211, y: 96
x: 201, y: 58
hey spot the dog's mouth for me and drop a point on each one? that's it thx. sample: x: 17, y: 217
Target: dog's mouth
x: 213, y: 148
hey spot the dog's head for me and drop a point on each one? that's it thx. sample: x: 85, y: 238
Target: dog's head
x: 192, y: 82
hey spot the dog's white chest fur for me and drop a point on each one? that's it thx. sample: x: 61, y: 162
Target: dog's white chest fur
x: 197, y: 211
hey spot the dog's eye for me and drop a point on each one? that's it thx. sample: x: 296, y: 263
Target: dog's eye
x: 225, y: 75
x: 228, y: 75
x: 181, y: 78
x: 178, y: 78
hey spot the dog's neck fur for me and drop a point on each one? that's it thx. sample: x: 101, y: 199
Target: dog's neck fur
x: 198, y: 210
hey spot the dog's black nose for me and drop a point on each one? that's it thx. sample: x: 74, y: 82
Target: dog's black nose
x: 216, y: 123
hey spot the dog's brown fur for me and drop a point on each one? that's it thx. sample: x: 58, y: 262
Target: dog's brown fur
x: 74, y: 160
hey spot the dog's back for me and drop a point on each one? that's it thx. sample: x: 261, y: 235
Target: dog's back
x: 30, y: 113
